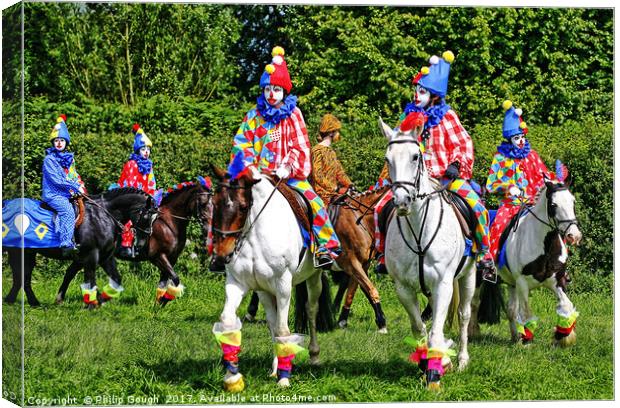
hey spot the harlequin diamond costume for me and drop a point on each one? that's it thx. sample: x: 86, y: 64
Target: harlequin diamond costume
x: 273, y: 137
x: 60, y: 182
x: 516, y: 172
x: 137, y: 172
x: 448, y: 151
x: 328, y: 176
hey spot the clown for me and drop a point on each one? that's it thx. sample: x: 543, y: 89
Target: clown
x: 517, y: 172
x: 448, y: 153
x: 137, y: 172
x: 60, y: 182
x: 273, y: 138
x: 328, y: 177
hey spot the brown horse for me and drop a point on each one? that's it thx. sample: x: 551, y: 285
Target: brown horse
x: 355, y: 227
x: 167, y: 239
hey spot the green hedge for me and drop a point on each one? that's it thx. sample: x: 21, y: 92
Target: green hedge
x: 190, y: 135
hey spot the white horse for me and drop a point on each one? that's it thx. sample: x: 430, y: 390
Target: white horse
x: 257, y: 236
x: 424, y: 249
x: 536, y: 255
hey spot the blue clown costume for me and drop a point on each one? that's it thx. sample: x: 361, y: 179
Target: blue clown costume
x: 60, y: 182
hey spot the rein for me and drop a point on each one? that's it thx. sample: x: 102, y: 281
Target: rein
x: 96, y: 204
x: 553, y: 223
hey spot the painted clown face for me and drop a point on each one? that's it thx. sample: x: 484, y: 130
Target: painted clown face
x: 422, y: 97
x: 273, y: 94
x: 518, y: 140
x: 59, y: 143
x: 145, y: 152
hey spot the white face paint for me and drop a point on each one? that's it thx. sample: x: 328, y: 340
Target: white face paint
x: 422, y: 97
x: 273, y: 94
x: 60, y: 144
x: 518, y: 140
x: 145, y: 152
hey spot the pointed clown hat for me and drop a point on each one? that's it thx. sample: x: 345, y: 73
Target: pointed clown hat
x: 141, y: 139
x: 435, y: 77
x: 276, y: 73
x: 60, y: 129
x: 513, y: 123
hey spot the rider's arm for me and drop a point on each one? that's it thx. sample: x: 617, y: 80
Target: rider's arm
x: 298, y: 156
x: 244, y: 139
x: 459, y: 143
x: 57, y: 178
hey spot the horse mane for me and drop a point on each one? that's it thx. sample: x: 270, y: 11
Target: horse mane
x: 111, y: 194
x: 176, y: 189
x: 372, y: 191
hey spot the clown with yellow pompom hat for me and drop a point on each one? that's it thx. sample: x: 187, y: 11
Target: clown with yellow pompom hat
x: 448, y: 152
x: 517, y: 172
x: 273, y: 139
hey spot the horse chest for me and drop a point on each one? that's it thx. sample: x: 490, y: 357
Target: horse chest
x: 551, y: 262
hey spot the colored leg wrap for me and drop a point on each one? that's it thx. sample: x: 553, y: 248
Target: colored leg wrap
x: 565, y: 324
x: 527, y: 329
x: 89, y: 295
x: 286, y: 349
x: 109, y: 292
x: 230, y: 342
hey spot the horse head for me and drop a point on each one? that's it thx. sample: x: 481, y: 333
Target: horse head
x: 130, y: 203
x: 231, y: 207
x: 561, y: 210
x: 405, y: 161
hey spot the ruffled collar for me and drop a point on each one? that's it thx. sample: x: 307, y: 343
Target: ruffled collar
x: 144, y: 165
x: 64, y: 158
x: 275, y: 115
x: 434, y: 114
x: 507, y: 149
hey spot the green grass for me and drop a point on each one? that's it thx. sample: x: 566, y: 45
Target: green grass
x: 132, y: 349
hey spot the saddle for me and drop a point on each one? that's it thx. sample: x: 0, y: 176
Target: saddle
x: 299, y: 204
x: 78, y: 209
x: 464, y: 213
x: 385, y: 216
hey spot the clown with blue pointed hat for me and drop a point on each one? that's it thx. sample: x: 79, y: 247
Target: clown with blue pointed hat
x: 448, y: 154
x: 61, y: 182
x: 517, y: 172
x: 138, y: 173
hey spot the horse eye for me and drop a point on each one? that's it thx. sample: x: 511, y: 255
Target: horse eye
x: 415, y: 157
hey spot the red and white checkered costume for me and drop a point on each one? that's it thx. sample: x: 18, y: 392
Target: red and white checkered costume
x: 447, y: 143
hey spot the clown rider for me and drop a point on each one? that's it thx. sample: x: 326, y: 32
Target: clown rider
x: 61, y: 182
x: 273, y: 138
x: 517, y: 172
x: 448, y: 152
x: 137, y: 172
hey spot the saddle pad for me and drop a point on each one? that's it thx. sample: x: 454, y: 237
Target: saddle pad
x: 501, y: 258
x: 35, y: 225
x: 464, y: 213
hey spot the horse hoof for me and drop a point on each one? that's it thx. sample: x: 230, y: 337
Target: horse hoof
x: 567, y: 341
x: 59, y: 300
x: 284, y: 382
x: 234, y: 383
x: 314, y: 360
x: 248, y: 318
x: 342, y: 324
x: 434, y: 386
x: 383, y: 330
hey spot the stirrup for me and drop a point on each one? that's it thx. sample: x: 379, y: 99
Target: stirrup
x: 318, y: 263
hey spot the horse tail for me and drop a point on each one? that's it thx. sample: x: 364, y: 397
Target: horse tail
x: 491, y: 303
x: 342, y: 279
x: 325, y: 321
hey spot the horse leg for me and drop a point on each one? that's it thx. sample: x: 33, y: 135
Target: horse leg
x: 474, y: 326
x: 114, y: 287
x: 437, y: 360
x: 250, y: 315
x: 89, y: 287
x: 29, y: 262
x: 269, y: 304
x: 70, y: 273
x: 285, y: 342
x: 314, y: 291
x: 564, y: 335
x: 343, y: 284
x: 228, y: 334
x: 525, y: 317
x: 467, y: 286
x: 513, y: 311
x: 170, y: 286
x: 348, y: 301
x: 15, y: 262
x: 371, y: 294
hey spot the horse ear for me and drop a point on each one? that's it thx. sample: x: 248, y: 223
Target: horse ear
x: 219, y: 173
x: 387, y: 131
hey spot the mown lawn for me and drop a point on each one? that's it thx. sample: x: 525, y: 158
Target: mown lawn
x: 130, y: 351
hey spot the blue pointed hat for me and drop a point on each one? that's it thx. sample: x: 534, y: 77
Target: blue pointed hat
x: 513, y: 123
x: 141, y: 139
x: 435, y: 77
x: 60, y: 129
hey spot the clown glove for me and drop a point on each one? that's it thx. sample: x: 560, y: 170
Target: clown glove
x: 514, y: 191
x: 283, y: 172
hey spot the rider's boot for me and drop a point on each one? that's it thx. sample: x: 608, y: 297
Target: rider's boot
x: 380, y: 268
x: 487, y: 269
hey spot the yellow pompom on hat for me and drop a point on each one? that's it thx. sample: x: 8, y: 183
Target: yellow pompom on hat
x: 276, y: 73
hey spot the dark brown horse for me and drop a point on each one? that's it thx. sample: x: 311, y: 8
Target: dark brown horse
x: 167, y: 239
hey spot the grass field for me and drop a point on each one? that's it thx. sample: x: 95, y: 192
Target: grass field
x: 130, y: 351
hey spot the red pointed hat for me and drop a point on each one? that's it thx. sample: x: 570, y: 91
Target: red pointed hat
x: 276, y: 73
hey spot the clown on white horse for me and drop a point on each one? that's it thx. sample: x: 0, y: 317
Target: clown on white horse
x: 543, y: 212
x: 255, y: 232
x: 425, y: 249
